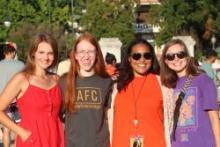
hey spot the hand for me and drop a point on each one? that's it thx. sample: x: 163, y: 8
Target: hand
x: 25, y: 135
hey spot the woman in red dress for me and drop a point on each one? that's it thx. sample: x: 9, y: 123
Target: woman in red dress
x: 38, y: 98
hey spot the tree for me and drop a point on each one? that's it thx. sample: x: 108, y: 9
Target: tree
x: 29, y: 17
x: 103, y: 18
x: 199, y: 19
x: 108, y: 18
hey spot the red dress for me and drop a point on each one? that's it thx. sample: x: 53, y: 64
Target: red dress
x: 39, y: 110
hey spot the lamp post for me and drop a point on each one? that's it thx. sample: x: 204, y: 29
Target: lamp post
x: 49, y: 14
x: 213, y: 40
x: 7, y: 24
x: 72, y: 14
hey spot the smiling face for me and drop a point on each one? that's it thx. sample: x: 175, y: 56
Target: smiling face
x: 44, y: 56
x: 176, y: 59
x: 85, y: 56
x: 140, y: 59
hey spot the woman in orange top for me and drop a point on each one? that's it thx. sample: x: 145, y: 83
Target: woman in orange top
x: 138, y: 107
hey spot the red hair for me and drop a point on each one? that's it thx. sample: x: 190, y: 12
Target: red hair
x: 70, y: 91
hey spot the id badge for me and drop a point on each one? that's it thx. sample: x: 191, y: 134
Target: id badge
x: 137, y: 141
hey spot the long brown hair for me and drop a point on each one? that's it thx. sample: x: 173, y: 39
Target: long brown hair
x: 35, y: 41
x: 99, y: 66
x: 168, y: 76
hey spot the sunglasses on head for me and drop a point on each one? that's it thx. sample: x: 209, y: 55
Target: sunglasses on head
x: 137, y: 56
x: 180, y: 55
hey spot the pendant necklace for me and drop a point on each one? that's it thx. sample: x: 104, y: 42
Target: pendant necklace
x: 136, y: 98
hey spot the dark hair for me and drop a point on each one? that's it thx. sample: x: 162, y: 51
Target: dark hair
x: 109, y: 58
x: 8, y: 48
x: 125, y: 69
x: 168, y: 76
x: 69, y: 101
x: 211, y: 53
x: 1, y: 51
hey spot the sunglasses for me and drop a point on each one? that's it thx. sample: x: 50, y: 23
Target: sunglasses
x: 137, y: 56
x: 180, y: 55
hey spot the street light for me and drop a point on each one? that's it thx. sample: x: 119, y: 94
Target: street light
x: 84, y: 11
x: 213, y: 40
x: 7, y: 22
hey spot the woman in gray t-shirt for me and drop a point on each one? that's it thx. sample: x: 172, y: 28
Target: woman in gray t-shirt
x: 86, y: 89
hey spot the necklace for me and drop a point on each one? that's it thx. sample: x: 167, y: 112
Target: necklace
x: 136, y: 98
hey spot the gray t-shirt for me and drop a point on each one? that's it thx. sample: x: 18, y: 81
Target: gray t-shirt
x: 8, y: 68
x: 87, y: 127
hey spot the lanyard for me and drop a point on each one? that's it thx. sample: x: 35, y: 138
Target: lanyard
x: 136, y: 98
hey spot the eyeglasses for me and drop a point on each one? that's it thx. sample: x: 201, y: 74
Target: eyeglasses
x: 146, y: 55
x: 83, y: 52
x: 180, y: 55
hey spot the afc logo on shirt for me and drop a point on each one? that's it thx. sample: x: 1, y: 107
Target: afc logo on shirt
x: 88, y: 97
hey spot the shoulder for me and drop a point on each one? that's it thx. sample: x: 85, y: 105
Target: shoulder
x: 158, y: 79
x: 163, y: 88
x: 19, y: 77
x: 203, y: 80
x: 203, y: 77
x: 154, y: 77
x: 16, y: 63
x: 63, y: 76
x: 106, y: 79
x: 2, y: 62
x: 62, y: 80
x: 20, y: 62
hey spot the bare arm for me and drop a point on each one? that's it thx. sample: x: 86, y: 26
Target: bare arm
x: 13, y: 89
x: 213, y: 115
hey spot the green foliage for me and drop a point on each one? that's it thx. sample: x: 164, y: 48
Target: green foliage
x: 199, y: 55
x: 110, y: 19
x: 29, y: 17
x: 218, y: 51
x: 103, y: 18
x: 188, y: 17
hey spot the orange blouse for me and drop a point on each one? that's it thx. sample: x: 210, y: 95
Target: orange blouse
x: 149, y: 111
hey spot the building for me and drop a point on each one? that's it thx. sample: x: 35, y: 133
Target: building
x: 143, y: 28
